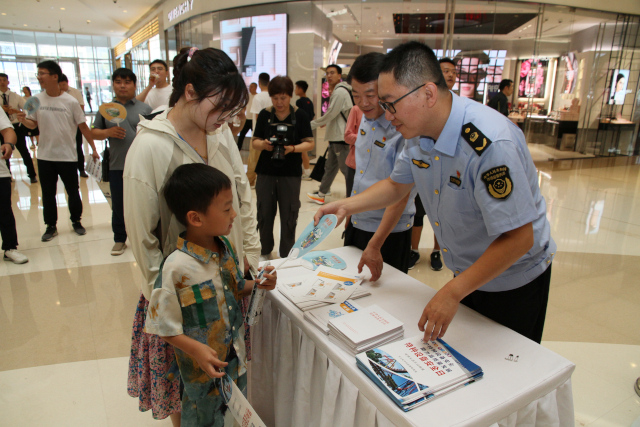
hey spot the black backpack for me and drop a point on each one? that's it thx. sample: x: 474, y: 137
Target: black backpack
x: 352, y: 103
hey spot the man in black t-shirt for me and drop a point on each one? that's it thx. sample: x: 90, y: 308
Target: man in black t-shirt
x: 306, y: 105
x: 500, y: 101
x: 303, y: 102
x: 278, y: 182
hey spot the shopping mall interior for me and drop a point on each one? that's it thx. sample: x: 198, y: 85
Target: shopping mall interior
x: 66, y: 315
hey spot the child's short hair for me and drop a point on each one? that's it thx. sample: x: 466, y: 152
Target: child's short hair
x: 192, y: 187
x: 302, y: 85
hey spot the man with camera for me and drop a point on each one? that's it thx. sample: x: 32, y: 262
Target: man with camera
x: 281, y: 133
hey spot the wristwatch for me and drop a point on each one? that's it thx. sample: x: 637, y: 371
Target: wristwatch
x: 13, y: 146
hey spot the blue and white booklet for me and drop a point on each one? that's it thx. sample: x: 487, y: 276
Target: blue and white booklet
x: 320, y: 317
x: 413, y: 372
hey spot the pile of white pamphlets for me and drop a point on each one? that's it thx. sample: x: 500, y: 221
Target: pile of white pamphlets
x: 412, y: 372
x: 323, y: 287
x: 365, y: 329
x: 320, y: 317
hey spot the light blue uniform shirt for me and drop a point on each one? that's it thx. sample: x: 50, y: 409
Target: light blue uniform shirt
x: 378, y: 145
x: 473, y: 192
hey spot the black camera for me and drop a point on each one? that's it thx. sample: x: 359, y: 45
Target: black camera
x: 279, y: 140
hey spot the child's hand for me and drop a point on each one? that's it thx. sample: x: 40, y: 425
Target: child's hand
x: 270, y: 283
x: 207, y: 359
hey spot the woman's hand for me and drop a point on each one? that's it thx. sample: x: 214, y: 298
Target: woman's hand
x: 266, y: 145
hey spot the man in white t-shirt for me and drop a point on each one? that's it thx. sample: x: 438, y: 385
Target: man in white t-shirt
x: 260, y: 102
x: 77, y: 94
x: 58, y: 117
x: 158, y: 91
x: 7, y: 220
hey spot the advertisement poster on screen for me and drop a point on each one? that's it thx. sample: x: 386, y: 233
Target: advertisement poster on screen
x: 256, y: 44
x: 533, y: 78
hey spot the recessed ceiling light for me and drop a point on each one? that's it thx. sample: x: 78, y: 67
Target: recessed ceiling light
x: 88, y: 21
x: 124, y: 11
x: 4, y: 14
x: 24, y: 25
x: 62, y: 8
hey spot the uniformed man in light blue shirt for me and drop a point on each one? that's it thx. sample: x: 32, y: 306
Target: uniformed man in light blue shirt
x: 383, y: 234
x: 480, y: 190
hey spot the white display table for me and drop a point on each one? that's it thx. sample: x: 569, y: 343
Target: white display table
x: 300, y: 378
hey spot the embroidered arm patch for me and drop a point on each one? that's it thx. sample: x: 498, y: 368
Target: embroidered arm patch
x: 498, y: 182
x: 475, y: 138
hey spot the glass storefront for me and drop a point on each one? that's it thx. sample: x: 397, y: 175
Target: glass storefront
x: 562, y: 59
x: 86, y: 60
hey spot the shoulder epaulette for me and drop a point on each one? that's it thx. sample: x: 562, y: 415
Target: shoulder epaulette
x: 475, y: 138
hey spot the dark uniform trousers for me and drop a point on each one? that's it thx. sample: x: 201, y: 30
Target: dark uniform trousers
x: 522, y: 309
x: 395, y: 250
x: 7, y: 220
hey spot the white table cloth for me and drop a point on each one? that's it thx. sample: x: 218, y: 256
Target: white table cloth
x: 300, y: 378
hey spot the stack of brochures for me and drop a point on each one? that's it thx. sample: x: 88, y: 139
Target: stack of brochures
x: 320, y: 317
x: 367, y: 328
x: 320, y: 288
x: 413, y: 373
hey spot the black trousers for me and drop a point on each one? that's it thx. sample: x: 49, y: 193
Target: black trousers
x: 243, y: 133
x: 278, y: 192
x: 49, y: 172
x: 79, y: 150
x: 117, y: 206
x: 523, y: 309
x: 395, y: 250
x: 21, y: 146
x: 351, y: 174
x: 7, y: 220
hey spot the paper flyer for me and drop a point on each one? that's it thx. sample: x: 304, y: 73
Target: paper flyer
x: 239, y: 406
x: 325, y: 286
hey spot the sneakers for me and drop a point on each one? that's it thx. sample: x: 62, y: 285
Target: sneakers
x: 118, y: 248
x: 83, y: 174
x: 414, y: 258
x: 15, y: 257
x: 49, y: 233
x: 78, y: 228
x: 436, y: 262
x: 317, y: 197
x: 306, y: 174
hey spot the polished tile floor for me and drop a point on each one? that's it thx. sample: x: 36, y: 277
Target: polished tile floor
x: 65, y: 316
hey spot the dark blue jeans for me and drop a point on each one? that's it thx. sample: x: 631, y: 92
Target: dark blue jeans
x: 117, y: 208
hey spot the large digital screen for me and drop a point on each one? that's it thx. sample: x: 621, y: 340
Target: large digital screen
x: 533, y: 78
x: 619, y: 82
x: 256, y: 44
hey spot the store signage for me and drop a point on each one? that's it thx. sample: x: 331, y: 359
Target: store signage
x: 180, y: 10
x: 337, y: 12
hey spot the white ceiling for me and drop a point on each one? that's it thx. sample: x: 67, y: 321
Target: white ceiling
x: 108, y: 17
x: 370, y: 20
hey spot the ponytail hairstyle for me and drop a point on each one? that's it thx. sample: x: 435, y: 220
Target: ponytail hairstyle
x: 211, y: 72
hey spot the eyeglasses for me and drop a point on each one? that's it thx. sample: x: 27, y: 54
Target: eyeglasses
x: 42, y: 74
x: 391, y: 106
x: 226, y: 114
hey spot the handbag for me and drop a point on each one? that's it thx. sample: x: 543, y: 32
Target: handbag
x: 318, y: 170
x: 105, y: 164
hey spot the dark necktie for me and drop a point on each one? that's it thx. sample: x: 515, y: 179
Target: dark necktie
x: 5, y: 101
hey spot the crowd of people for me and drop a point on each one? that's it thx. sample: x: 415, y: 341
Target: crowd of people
x: 182, y: 199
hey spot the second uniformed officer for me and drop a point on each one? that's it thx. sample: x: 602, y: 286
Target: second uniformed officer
x: 479, y: 186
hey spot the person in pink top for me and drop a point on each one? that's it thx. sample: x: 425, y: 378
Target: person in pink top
x: 350, y: 135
